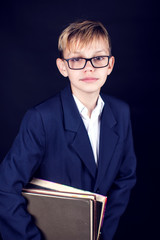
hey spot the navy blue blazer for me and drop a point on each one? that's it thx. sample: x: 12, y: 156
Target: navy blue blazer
x: 53, y: 144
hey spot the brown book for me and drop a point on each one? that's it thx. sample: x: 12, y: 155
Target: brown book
x: 65, y: 213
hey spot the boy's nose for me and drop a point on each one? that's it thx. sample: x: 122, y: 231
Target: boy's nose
x: 89, y: 66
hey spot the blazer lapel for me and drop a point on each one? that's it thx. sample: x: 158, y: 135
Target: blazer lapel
x: 80, y: 140
x: 82, y: 146
x: 108, y: 141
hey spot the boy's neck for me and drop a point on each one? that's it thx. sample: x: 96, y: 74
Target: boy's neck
x: 88, y: 100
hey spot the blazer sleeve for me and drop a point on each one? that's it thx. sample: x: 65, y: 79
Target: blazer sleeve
x: 16, y: 170
x: 119, y: 193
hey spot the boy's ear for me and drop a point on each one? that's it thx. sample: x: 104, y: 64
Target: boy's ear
x: 62, y: 67
x: 111, y: 64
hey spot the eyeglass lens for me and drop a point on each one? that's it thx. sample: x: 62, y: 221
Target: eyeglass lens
x: 97, y: 62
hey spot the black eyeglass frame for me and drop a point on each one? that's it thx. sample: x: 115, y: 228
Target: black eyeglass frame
x: 86, y: 59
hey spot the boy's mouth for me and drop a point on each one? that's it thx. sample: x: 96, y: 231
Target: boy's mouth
x: 88, y: 79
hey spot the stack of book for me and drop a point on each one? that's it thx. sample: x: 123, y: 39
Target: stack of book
x: 65, y: 213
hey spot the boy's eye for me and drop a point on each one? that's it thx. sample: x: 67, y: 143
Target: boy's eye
x: 75, y: 59
x: 98, y: 58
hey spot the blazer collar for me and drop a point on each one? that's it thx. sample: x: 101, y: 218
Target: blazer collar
x: 108, y: 141
x: 73, y: 123
x: 72, y: 118
x: 80, y: 142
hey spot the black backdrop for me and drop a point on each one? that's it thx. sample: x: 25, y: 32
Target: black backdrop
x: 28, y: 75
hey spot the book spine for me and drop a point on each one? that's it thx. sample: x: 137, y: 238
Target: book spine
x: 95, y: 230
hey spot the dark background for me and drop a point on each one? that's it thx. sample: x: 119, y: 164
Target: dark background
x: 28, y: 75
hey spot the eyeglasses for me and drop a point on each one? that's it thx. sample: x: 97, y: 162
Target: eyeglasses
x: 78, y: 63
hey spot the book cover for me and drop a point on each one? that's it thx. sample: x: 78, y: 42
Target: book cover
x: 65, y: 213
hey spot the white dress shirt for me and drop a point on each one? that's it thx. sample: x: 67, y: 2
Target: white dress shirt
x: 92, y: 123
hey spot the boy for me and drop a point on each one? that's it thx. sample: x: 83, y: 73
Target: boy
x: 78, y: 138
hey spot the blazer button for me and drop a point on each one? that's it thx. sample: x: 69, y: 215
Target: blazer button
x: 98, y: 191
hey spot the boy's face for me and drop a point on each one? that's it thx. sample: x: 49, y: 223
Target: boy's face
x: 88, y: 80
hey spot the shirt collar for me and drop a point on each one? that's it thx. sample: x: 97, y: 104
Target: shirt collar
x: 83, y: 110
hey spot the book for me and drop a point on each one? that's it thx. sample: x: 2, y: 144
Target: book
x: 65, y: 213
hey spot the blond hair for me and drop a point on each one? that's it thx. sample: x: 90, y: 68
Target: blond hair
x: 82, y: 33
